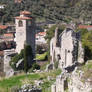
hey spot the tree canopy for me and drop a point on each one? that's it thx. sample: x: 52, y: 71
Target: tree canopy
x: 56, y: 10
x: 87, y: 43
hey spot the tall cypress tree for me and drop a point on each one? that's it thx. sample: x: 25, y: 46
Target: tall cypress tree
x: 27, y: 54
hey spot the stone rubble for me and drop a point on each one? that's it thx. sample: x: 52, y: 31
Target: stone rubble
x: 72, y: 82
x: 29, y: 88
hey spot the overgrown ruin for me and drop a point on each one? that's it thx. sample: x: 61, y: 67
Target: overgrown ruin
x: 66, y: 48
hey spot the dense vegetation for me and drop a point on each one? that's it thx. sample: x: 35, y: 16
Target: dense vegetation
x: 16, y: 58
x: 87, y: 43
x: 56, y: 10
x: 28, y: 57
x: 25, y: 54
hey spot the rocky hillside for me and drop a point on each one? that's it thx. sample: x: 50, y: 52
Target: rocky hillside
x: 81, y: 79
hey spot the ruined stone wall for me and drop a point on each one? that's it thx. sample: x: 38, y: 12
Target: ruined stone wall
x: 71, y: 83
x: 80, y: 53
x: 67, y: 48
x: 54, y: 51
x: 7, y: 68
x: 72, y: 53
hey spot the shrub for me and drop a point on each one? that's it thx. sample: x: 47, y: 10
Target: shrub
x: 35, y: 66
x: 25, y: 54
x: 15, y: 59
x: 41, y: 48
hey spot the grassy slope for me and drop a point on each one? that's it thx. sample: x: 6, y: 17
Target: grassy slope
x: 41, y: 56
x: 7, y: 84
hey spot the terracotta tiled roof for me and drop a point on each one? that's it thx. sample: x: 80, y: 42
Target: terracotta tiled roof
x: 85, y: 26
x: 8, y: 35
x: 25, y: 12
x: 23, y: 18
x: 42, y: 33
x: 3, y: 26
x: 18, y: 1
x: 1, y: 53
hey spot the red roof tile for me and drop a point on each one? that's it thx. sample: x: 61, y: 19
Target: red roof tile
x: 18, y: 1
x: 8, y: 35
x: 42, y: 33
x: 3, y: 26
x: 85, y: 26
x: 23, y: 18
x: 25, y: 12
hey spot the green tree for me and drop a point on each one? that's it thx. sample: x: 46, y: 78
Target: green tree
x: 87, y: 43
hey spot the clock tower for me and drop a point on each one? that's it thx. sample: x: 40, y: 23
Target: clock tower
x: 25, y: 31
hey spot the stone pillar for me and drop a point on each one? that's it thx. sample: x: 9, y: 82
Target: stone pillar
x: 80, y: 53
x: 56, y: 37
x: 53, y: 88
x: 7, y: 58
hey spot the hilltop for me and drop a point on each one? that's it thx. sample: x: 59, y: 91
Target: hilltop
x: 56, y: 10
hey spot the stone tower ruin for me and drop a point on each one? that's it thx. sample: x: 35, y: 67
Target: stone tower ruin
x: 25, y: 31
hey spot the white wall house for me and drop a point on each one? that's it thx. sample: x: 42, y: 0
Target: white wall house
x: 2, y: 6
x: 40, y: 38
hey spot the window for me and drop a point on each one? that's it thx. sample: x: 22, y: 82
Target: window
x: 68, y: 51
x: 20, y: 23
x: 58, y: 56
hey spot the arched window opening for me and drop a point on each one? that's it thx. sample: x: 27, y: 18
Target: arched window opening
x: 20, y: 23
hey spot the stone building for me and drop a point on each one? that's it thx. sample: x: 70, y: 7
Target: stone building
x: 66, y: 48
x: 25, y: 31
